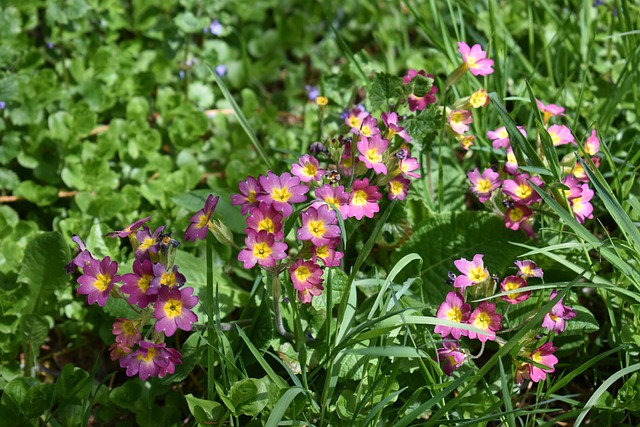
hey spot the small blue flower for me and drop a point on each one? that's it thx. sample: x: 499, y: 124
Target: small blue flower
x: 181, y: 74
x: 2, y: 105
x: 312, y: 92
x: 215, y: 28
x: 221, y: 70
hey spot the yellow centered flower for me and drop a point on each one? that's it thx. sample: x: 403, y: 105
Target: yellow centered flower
x: 482, y: 321
x: 173, y: 308
x: 251, y: 198
x: 128, y: 328
x: 478, y: 99
x: 478, y: 274
x: 511, y: 158
x: 261, y: 250
x: 151, y: 353
x: 523, y: 191
x: 147, y: 243
x: 322, y: 251
x: 503, y: 134
x: 354, y: 122
x: 366, y: 131
x: 202, y: 221
x: 281, y: 194
x: 322, y: 101
x: 510, y: 286
x: 359, y: 198
x: 310, y: 170
x: 536, y: 357
x: 373, y: 156
x: 267, y: 225
x: 454, y: 314
x: 457, y: 117
x: 302, y: 273
x: 554, y: 317
x: 143, y: 282
x: 390, y: 134
x: 317, y: 228
x: 168, y: 279
x: 396, y: 187
x: 577, y: 205
x: 347, y: 162
x: 333, y: 200
x: 483, y: 185
x: 471, y: 62
x: 555, y: 138
x: 102, y: 282
x: 516, y: 214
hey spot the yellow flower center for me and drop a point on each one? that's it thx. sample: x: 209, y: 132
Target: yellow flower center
x: 102, y: 282
x: 366, y: 131
x: 554, y: 138
x: 261, y: 250
x: 511, y: 158
x: 354, y: 122
x: 523, y: 191
x: 322, y: 251
x: 267, y: 225
x: 373, y: 156
x: 151, y: 353
x: 516, y: 214
x: 483, y: 186
x: 168, y: 279
x: 478, y: 274
x: 577, y: 204
x: 333, y: 200
x: 173, y: 308
x: 251, y: 198
x: 359, y: 198
x: 482, y: 321
x: 536, y: 357
x: 202, y: 221
x: 309, y: 170
x: 510, y: 286
x: 317, y: 228
x: 478, y: 99
x: 346, y: 162
x: 454, y: 314
x: 457, y: 117
x: 147, y: 243
x: 281, y: 194
x: 322, y: 101
x: 396, y: 187
x: 302, y: 273
x: 143, y: 282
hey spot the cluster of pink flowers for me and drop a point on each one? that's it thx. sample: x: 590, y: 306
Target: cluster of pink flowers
x: 474, y: 278
x: 348, y: 180
x: 155, y: 288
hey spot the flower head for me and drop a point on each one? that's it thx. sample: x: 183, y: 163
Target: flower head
x: 520, y: 190
x: 516, y: 215
x: 581, y: 206
x: 479, y: 98
x: 151, y: 360
x: 528, y: 268
x: 126, y: 332
x: 511, y: 165
x: 82, y: 259
x: 328, y: 254
x: 549, y: 111
x: 420, y: 101
x: 148, y: 241
x: 138, y: 284
x: 335, y: 196
x: 451, y: 357
x: 363, y: 200
x: 592, y: 145
x: 408, y: 165
x: 199, y: 222
x: 247, y: 199
x: 483, y: 185
x: 319, y: 225
x: 513, y: 284
x: 500, y: 137
x: 371, y: 152
x: 214, y: 28
x: 476, y: 59
x: 390, y: 120
x: 560, y: 135
x: 473, y: 272
x: 172, y: 310
x: 98, y: 279
x: 129, y: 228
x: 456, y: 310
x: 485, y: 318
x: 555, y: 319
x: 398, y: 188
x: 281, y: 191
x: 265, y: 217
x: 543, y: 355
x: 307, y: 279
x: 355, y: 118
x: 262, y: 249
x: 459, y: 120
x: 307, y: 169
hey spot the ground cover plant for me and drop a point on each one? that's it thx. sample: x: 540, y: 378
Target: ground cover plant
x: 322, y: 214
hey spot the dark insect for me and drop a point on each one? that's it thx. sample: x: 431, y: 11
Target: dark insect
x: 333, y: 176
x: 165, y: 242
x: 450, y: 278
x: 401, y: 154
x: 508, y: 204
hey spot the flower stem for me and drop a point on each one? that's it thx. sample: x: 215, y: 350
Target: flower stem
x: 210, y: 320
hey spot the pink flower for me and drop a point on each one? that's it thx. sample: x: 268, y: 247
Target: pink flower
x: 173, y: 310
x: 451, y: 357
x: 98, y: 279
x: 420, y: 102
x: 199, y: 222
x: 148, y: 241
x: 151, y: 360
x: 166, y: 278
x: 543, y: 355
x: 319, y: 225
x: 484, y: 317
x: 479, y: 98
x: 261, y: 249
x: 549, y: 111
x: 398, y: 188
x: 516, y: 215
x: 574, y: 187
x: 473, y: 272
x: 500, y: 137
x: 560, y: 135
x: 118, y: 351
x: 555, y: 319
x: 355, y: 117
x: 581, y: 207
x: 307, y: 169
x: 371, y: 151
x: 138, y: 284
x: 328, y: 254
x: 247, y: 200
x: 281, y: 191
x: 363, y: 200
x: 408, y: 165
x: 511, y: 284
x: 459, y: 120
x: 592, y: 145
x: 265, y: 217
x: 511, y: 165
x: 483, y: 185
x: 390, y: 120
x: 126, y: 332
x: 476, y: 59
x: 528, y: 268
x: 456, y: 310
x: 368, y: 128
x: 334, y: 195
x: 466, y: 141
x: 520, y: 190
x: 82, y: 259
x: 130, y: 228
x: 307, y: 279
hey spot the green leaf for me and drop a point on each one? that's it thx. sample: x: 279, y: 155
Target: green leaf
x: 189, y: 23
x: 73, y: 383
x: 43, y: 271
x: 249, y: 396
x: 423, y: 127
x: 282, y: 405
x: 629, y: 395
x: 384, y: 89
x: 37, y: 400
x: 41, y: 195
x: 35, y: 329
x: 205, y: 411
x: 127, y: 395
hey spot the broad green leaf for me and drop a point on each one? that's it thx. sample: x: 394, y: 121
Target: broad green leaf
x: 37, y: 400
x: 204, y: 411
x: 385, y: 88
x: 249, y: 396
x: 41, y: 195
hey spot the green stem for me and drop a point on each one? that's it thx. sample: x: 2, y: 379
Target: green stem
x: 210, y: 320
x: 275, y: 288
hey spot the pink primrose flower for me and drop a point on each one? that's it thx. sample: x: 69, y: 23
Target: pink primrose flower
x: 307, y: 279
x: 560, y: 135
x: 451, y: 357
x: 408, y: 165
x: 334, y: 195
x: 151, y: 360
x: 520, y: 190
x: 484, y: 317
x: 483, y: 184
x: 459, y: 120
x: 511, y: 165
x: 173, y: 311
x: 543, y: 355
x: 82, y: 259
x: 581, y: 206
x: 513, y: 285
x: 118, y: 351
x: 420, y: 102
x: 281, y: 191
x: 574, y: 189
x: 528, y: 268
x: 319, y: 225
x: 476, y: 59
x: 166, y: 278
x: 466, y: 141
x: 368, y: 128
x: 516, y: 215
x: 500, y: 137
x: 363, y: 200
x: 129, y: 228
x: 149, y: 242
x: 307, y: 169
x: 138, y: 284
x: 398, y: 188
x: 265, y: 217
x: 126, y: 332
x: 355, y: 118
x: 390, y: 120
x: 247, y: 199
x: 261, y: 249
x: 371, y: 152
x: 456, y: 310
x: 555, y: 319
x: 98, y: 279
x: 549, y: 111
x: 473, y: 272
x: 199, y: 222
x: 592, y: 145
x: 328, y: 254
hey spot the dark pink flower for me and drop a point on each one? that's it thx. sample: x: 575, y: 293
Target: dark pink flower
x: 265, y: 217
x: 520, y: 190
x: 390, y: 120
x: 151, y: 360
x: 516, y: 215
x: 555, y: 319
x: 514, y: 285
x: 137, y: 284
x: 398, y: 188
x: 473, y: 272
x: 456, y: 310
x: 363, y: 200
x: 334, y: 195
x: 451, y: 357
x: 355, y: 118
x: 543, y: 355
x: 148, y: 241
x: 281, y: 191
x: 483, y: 184
x: 118, y: 351
x: 420, y: 102
x: 574, y: 187
x: 476, y: 59
x: 307, y: 169
x: 98, y: 279
x: 166, y: 278
x: 368, y: 127
x: 82, y: 259
x: 128, y: 229
x: 485, y: 318
x: 126, y: 332
x: 319, y: 225
x: 262, y: 249
x: 328, y: 254
x: 307, y: 279
x: 581, y: 206
x: 199, y: 222
x: 247, y: 199
x: 173, y: 310
x: 528, y: 268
